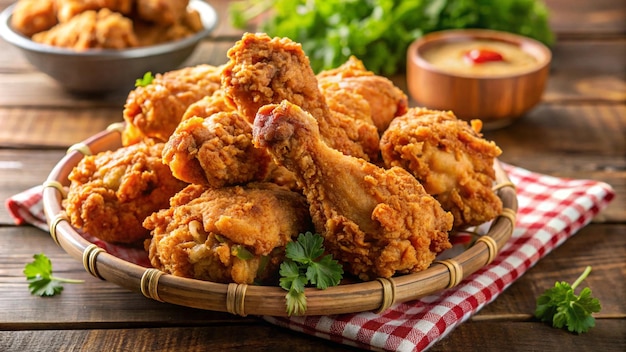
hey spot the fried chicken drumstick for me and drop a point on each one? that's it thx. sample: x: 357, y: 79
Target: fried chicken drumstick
x: 377, y: 222
x: 264, y: 70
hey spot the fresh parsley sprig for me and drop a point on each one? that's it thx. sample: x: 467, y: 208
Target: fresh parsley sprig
x: 560, y: 306
x: 41, y: 282
x: 145, y: 80
x: 306, y: 264
x: 380, y: 31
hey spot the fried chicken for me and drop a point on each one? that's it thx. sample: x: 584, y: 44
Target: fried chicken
x: 163, y: 12
x: 160, y: 21
x: 450, y: 158
x: 154, y: 111
x: 352, y: 82
x: 231, y: 234
x: 67, y: 9
x: 33, y: 16
x: 208, y: 106
x: 216, y: 151
x: 264, y: 70
x: 102, y: 29
x: 112, y: 192
x: 377, y: 222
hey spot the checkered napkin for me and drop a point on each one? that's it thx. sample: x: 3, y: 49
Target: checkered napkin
x: 550, y: 210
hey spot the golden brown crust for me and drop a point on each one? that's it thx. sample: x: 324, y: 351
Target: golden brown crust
x: 154, y: 111
x: 105, y: 24
x: 101, y: 29
x: 264, y: 70
x: 376, y: 222
x: 112, y: 192
x: 352, y: 83
x: 203, y: 232
x: 33, y: 16
x: 450, y: 158
x: 216, y: 151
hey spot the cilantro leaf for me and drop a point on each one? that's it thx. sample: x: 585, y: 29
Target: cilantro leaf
x: 305, y: 263
x: 145, y: 80
x: 40, y: 280
x: 560, y: 306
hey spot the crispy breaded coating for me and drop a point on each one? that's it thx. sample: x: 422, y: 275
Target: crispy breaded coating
x: 112, y: 192
x: 103, y: 29
x: 154, y: 111
x: 162, y: 12
x: 450, y: 158
x: 33, y: 16
x: 352, y: 82
x: 231, y: 234
x: 209, y: 105
x: 66, y: 9
x: 161, y: 27
x: 264, y: 70
x: 376, y: 222
x: 216, y: 151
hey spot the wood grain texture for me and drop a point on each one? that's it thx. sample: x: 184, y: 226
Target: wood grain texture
x: 578, y: 131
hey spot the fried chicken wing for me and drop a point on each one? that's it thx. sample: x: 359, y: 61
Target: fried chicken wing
x: 231, y: 234
x: 91, y: 29
x: 352, y: 81
x: 377, y: 222
x: 264, y: 70
x: 450, y: 158
x: 112, y: 192
x: 216, y: 151
x: 154, y: 111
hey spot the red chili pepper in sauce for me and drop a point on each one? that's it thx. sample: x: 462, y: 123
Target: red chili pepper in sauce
x: 479, y: 56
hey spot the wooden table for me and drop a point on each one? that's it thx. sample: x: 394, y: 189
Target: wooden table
x: 578, y: 131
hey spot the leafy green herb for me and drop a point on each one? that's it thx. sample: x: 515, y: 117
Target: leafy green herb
x: 378, y: 32
x: 305, y: 264
x: 145, y: 80
x: 560, y: 306
x: 40, y: 280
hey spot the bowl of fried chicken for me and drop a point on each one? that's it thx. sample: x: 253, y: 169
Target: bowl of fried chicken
x: 96, y: 47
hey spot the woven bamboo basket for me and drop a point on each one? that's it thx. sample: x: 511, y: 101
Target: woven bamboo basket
x: 241, y: 299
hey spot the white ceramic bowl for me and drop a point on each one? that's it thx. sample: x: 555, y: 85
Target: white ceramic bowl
x: 106, y: 70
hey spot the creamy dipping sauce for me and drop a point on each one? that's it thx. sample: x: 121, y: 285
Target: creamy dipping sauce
x: 495, y: 58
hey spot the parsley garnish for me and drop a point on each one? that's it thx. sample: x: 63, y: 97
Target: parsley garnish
x: 145, y: 80
x: 305, y: 264
x: 562, y: 307
x: 40, y: 280
x: 380, y: 32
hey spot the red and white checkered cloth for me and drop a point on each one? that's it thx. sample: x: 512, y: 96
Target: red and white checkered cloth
x: 550, y: 210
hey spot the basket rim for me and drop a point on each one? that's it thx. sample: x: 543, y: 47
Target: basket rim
x: 241, y: 299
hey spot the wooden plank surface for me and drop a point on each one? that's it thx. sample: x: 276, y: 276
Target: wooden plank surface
x: 578, y: 131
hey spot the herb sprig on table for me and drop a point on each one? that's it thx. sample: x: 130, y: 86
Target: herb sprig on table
x: 41, y: 282
x: 560, y: 306
x: 378, y: 32
x: 306, y: 264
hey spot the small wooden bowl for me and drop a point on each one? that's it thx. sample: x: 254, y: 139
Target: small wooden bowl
x: 497, y: 100
x: 242, y: 299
